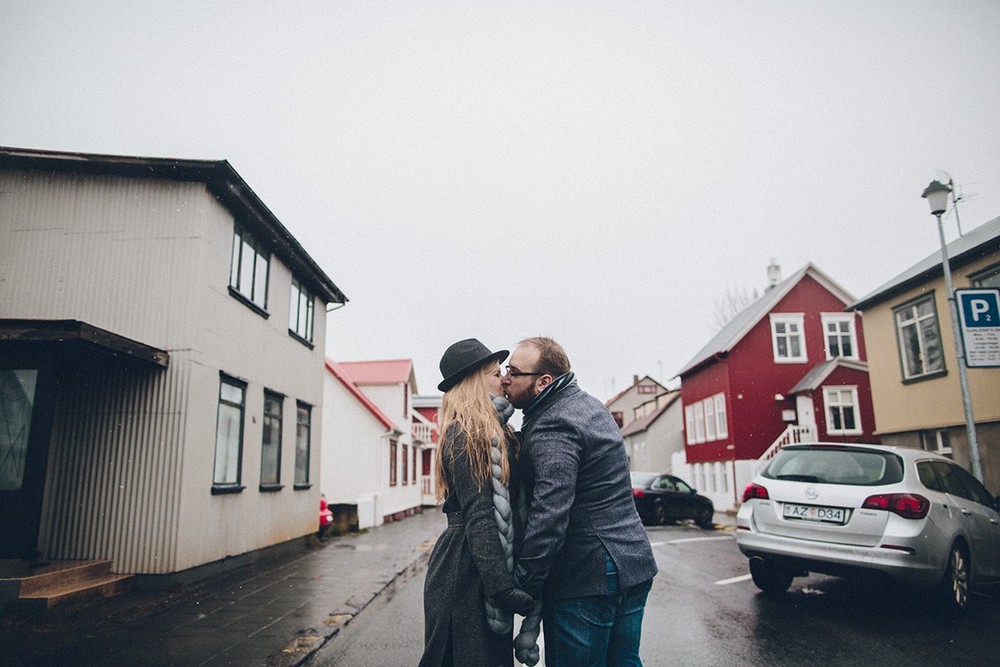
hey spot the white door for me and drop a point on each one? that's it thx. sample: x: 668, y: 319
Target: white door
x: 806, y: 413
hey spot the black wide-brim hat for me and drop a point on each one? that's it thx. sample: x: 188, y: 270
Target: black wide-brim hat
x: 462, y: 358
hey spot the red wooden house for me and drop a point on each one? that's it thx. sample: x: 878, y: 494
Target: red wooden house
x: 790, y: 367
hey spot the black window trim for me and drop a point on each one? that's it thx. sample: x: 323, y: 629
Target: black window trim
x: 237, y: 486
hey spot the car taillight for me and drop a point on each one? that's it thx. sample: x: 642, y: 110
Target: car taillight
x: 906, y: 505
x: 755, y: 491
x: 638, y: 493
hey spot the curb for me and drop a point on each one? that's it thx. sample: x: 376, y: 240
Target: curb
x: 309, y: 641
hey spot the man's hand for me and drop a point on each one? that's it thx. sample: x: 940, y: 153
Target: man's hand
x: 513, y: 600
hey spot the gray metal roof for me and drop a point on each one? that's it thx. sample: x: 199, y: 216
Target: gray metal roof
x: 973, y: 245
x: 812, y: 380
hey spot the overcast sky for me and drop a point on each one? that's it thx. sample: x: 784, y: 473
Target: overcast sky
x: 599, y: 172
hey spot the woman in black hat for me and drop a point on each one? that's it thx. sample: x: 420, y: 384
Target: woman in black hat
x: 469, y: 592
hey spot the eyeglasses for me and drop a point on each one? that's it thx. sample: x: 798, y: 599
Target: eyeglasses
x: 513, y: 372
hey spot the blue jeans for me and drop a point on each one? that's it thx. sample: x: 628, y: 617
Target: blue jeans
x: 598, y: 630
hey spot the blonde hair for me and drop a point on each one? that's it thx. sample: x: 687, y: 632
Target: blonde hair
x: 467, y: 408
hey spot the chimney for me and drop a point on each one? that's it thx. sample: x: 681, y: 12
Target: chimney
x: 635, y: 380
x: 773, y: 273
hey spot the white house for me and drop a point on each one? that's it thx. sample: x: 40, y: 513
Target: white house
x: 162, y: 338
x: 371, y: 457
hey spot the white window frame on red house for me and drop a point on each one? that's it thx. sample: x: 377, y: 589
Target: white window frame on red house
x: 699, y: 421
x: 721, y: 425
x: 689, y: 423
x: 833, y: 400
x: 710, y: 433
x: 705, y: 420
x: 794, y: 331
x: 832, y: 330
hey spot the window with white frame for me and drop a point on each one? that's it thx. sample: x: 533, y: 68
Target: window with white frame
x: 841, y: 405
x: 839, y: 335
x: 919, y: 338
x: 787, y: 338
x: 721, y: 425
x: 705, y: 420
x: 699, y: 422
x: 301, y: 312
x: 689, y: 423
x: 303, y: 444
x: 229, y: 436
x: 938, y: 441
x: 270, y: 446
x: 248, y: 268
x: 709, y: 419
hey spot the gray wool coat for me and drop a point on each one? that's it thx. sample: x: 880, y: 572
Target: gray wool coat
x: 581, y: 508
x: 466, y: 564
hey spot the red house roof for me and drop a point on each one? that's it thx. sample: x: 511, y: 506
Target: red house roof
x: 393, y: 371
x: 338, y: 371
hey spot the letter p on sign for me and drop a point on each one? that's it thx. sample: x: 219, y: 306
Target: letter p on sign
x: 979, y: 312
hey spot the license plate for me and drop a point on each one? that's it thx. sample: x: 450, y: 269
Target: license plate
x: 836, y: 515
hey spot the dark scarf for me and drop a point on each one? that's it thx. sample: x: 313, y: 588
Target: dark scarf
x: 562, y: 382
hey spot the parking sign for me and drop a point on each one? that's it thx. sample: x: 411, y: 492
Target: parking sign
x: 979, y: 315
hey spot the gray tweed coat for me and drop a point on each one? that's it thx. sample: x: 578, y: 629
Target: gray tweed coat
x: 581, y: 511
x: 466, y: 564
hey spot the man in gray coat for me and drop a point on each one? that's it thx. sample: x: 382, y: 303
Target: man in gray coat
x: 585, y: 551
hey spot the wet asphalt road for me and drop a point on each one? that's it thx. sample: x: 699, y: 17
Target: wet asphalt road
x: 704, y: 610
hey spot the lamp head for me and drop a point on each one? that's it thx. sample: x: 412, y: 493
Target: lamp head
x: 936, y: 195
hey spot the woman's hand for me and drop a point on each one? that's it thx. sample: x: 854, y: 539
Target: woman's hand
x: 513, y: 600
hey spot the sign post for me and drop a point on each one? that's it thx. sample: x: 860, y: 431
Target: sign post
x: 979, y: 316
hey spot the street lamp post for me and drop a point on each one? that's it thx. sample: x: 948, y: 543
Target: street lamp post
x: 936, y: 195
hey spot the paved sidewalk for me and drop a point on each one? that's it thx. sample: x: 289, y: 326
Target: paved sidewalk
x: 276, y: 612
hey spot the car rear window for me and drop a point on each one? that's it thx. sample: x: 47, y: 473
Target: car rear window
x: 860, y: 467
x: 642, y: 478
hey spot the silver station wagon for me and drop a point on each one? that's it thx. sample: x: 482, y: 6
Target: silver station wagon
x: 846, y: 510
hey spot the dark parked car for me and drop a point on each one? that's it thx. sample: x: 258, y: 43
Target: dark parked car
x: 661, y: 498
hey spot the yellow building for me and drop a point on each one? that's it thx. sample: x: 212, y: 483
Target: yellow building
x: 911, y: 356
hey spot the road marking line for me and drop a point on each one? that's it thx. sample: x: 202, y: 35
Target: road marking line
x: 734, y: 580
x: 700, y: 539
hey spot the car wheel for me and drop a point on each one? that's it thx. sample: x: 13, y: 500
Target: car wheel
x: 953, y: 593
x: 768, y: 577
x: 704, y: 518
x: 659, y: 515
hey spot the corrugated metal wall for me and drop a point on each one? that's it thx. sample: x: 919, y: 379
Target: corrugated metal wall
x: 114, y: 467
x: 116, y: 253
